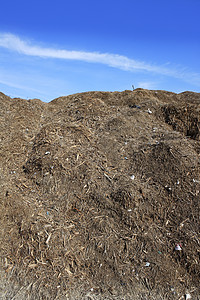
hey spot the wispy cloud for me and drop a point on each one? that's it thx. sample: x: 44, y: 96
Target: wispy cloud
x: 13, y: 42
x: 147, y: 85
x: 17, y: 84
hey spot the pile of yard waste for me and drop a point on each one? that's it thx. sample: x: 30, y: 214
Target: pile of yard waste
x: 100, y: 196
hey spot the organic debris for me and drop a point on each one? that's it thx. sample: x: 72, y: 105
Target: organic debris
x: 75, y: 222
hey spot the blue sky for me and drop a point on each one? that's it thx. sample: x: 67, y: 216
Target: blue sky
x: 54, y: 48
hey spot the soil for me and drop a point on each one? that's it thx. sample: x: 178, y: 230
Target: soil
x: 97, y: 189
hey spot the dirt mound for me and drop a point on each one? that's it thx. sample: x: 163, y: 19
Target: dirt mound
x: 97, y: 191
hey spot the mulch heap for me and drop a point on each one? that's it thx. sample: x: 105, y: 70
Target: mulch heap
x: 98, y: 189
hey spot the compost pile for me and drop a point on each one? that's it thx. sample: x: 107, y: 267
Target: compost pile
x: 98, y: 190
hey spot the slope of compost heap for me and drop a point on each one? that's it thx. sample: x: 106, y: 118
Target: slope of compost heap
x: 97, y: 189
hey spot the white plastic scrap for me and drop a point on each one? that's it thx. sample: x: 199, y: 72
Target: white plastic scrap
x: 132, y: 177
x: 197, y: 181
x: 188, y: 296
x: 48, y: 152
x: 168, y: 188
x: 147, y: 264
x: 149, y: 111
x: 178, y: 247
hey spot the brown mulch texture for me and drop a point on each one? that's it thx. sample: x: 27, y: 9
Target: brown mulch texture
x: 97, y: 189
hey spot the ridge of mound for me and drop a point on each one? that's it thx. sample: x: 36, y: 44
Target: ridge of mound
x: 97, y: 189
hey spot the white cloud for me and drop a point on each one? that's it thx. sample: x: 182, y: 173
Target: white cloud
x: 14, y: 81
x: 17, y: 86
x: 149, y: 85
x: 14, y: 43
